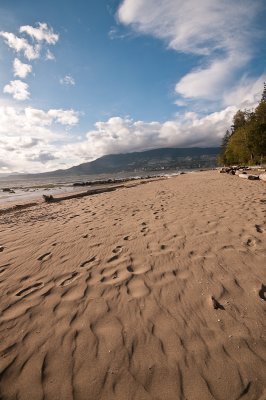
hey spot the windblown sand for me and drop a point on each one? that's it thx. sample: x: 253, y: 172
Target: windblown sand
x: 109, y: 297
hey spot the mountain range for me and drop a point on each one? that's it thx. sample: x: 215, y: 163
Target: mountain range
x: 150, y: 160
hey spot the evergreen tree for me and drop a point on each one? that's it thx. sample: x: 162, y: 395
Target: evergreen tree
x: 239, y: 120
x: 225, y: 141
x: 247, y: 142
x: 263, y: 98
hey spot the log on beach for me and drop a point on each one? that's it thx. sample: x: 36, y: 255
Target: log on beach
x: 244, y: 176
x: 52, y: 199
x: 263, y: 177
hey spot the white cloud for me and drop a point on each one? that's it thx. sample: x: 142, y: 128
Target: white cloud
x: 41, y: 33
x: 21, y: 45
x: 20, y: 69
x: 64, y: 117
x: 49, y: 55
x: 18, y: 89
x: 191, y: 26
x: 210, y: 82
x: 221, y: 32
x: 32, y: 122
x: 246, y: 93
x: 68, y: 80
x: 32, y: 139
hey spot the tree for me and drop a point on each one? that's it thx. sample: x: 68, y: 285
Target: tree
x: 239, y: 120
x: 225, y: 141
x: 263, y: 98
x: 247, y: 141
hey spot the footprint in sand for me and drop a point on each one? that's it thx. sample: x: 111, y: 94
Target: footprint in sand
x: 144, y: 230
x: 24, y: 278
x: 30, y: 289
x: 70, y: 279
x: 44, y: 257
x: 115, y: 275
x: 117, y: 250
x: 113, y: 258
x: 250, y: 242
x: 3, y: 268
x: 259, y: 229
x: 84, y: 263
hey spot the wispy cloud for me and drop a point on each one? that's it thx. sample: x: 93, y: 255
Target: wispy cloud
x: 115, y: 33
x: 19, y: 44
x: 49, y: 55
x: 18, y: 89
x: 68, y: 80
x: 41, y: 33
x: 220, y: 33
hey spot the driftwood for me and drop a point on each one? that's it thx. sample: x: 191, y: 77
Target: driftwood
x: 249, y: 176
x: 245, y: 176
x: 253, y: 177
x: 51, y: 199
x: 241, y: 172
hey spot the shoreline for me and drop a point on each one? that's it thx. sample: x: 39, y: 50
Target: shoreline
x: 78, y: 192
x: 34, y: 188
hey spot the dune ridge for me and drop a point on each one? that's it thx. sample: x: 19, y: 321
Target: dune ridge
x: 111, y: 296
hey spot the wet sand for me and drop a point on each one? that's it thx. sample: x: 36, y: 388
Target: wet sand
x: 149, y: 292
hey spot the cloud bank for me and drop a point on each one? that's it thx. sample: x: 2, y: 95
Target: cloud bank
x: 32, y: 139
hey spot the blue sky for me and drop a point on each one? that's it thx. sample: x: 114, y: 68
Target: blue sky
x: 79, y: 79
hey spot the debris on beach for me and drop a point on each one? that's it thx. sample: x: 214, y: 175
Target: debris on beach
x: 216, y: 304
x: 241, y: 172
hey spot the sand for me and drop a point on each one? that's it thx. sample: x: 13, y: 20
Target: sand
x: 150, y: 292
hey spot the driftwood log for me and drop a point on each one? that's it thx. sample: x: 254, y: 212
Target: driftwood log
x: 51, y: 199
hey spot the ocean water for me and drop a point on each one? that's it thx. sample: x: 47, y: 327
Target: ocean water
x: 33, y: 188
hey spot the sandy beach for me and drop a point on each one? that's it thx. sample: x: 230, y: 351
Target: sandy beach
x: 149, y: 292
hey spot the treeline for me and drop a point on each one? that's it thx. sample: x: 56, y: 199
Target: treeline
x: 245, y: 143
